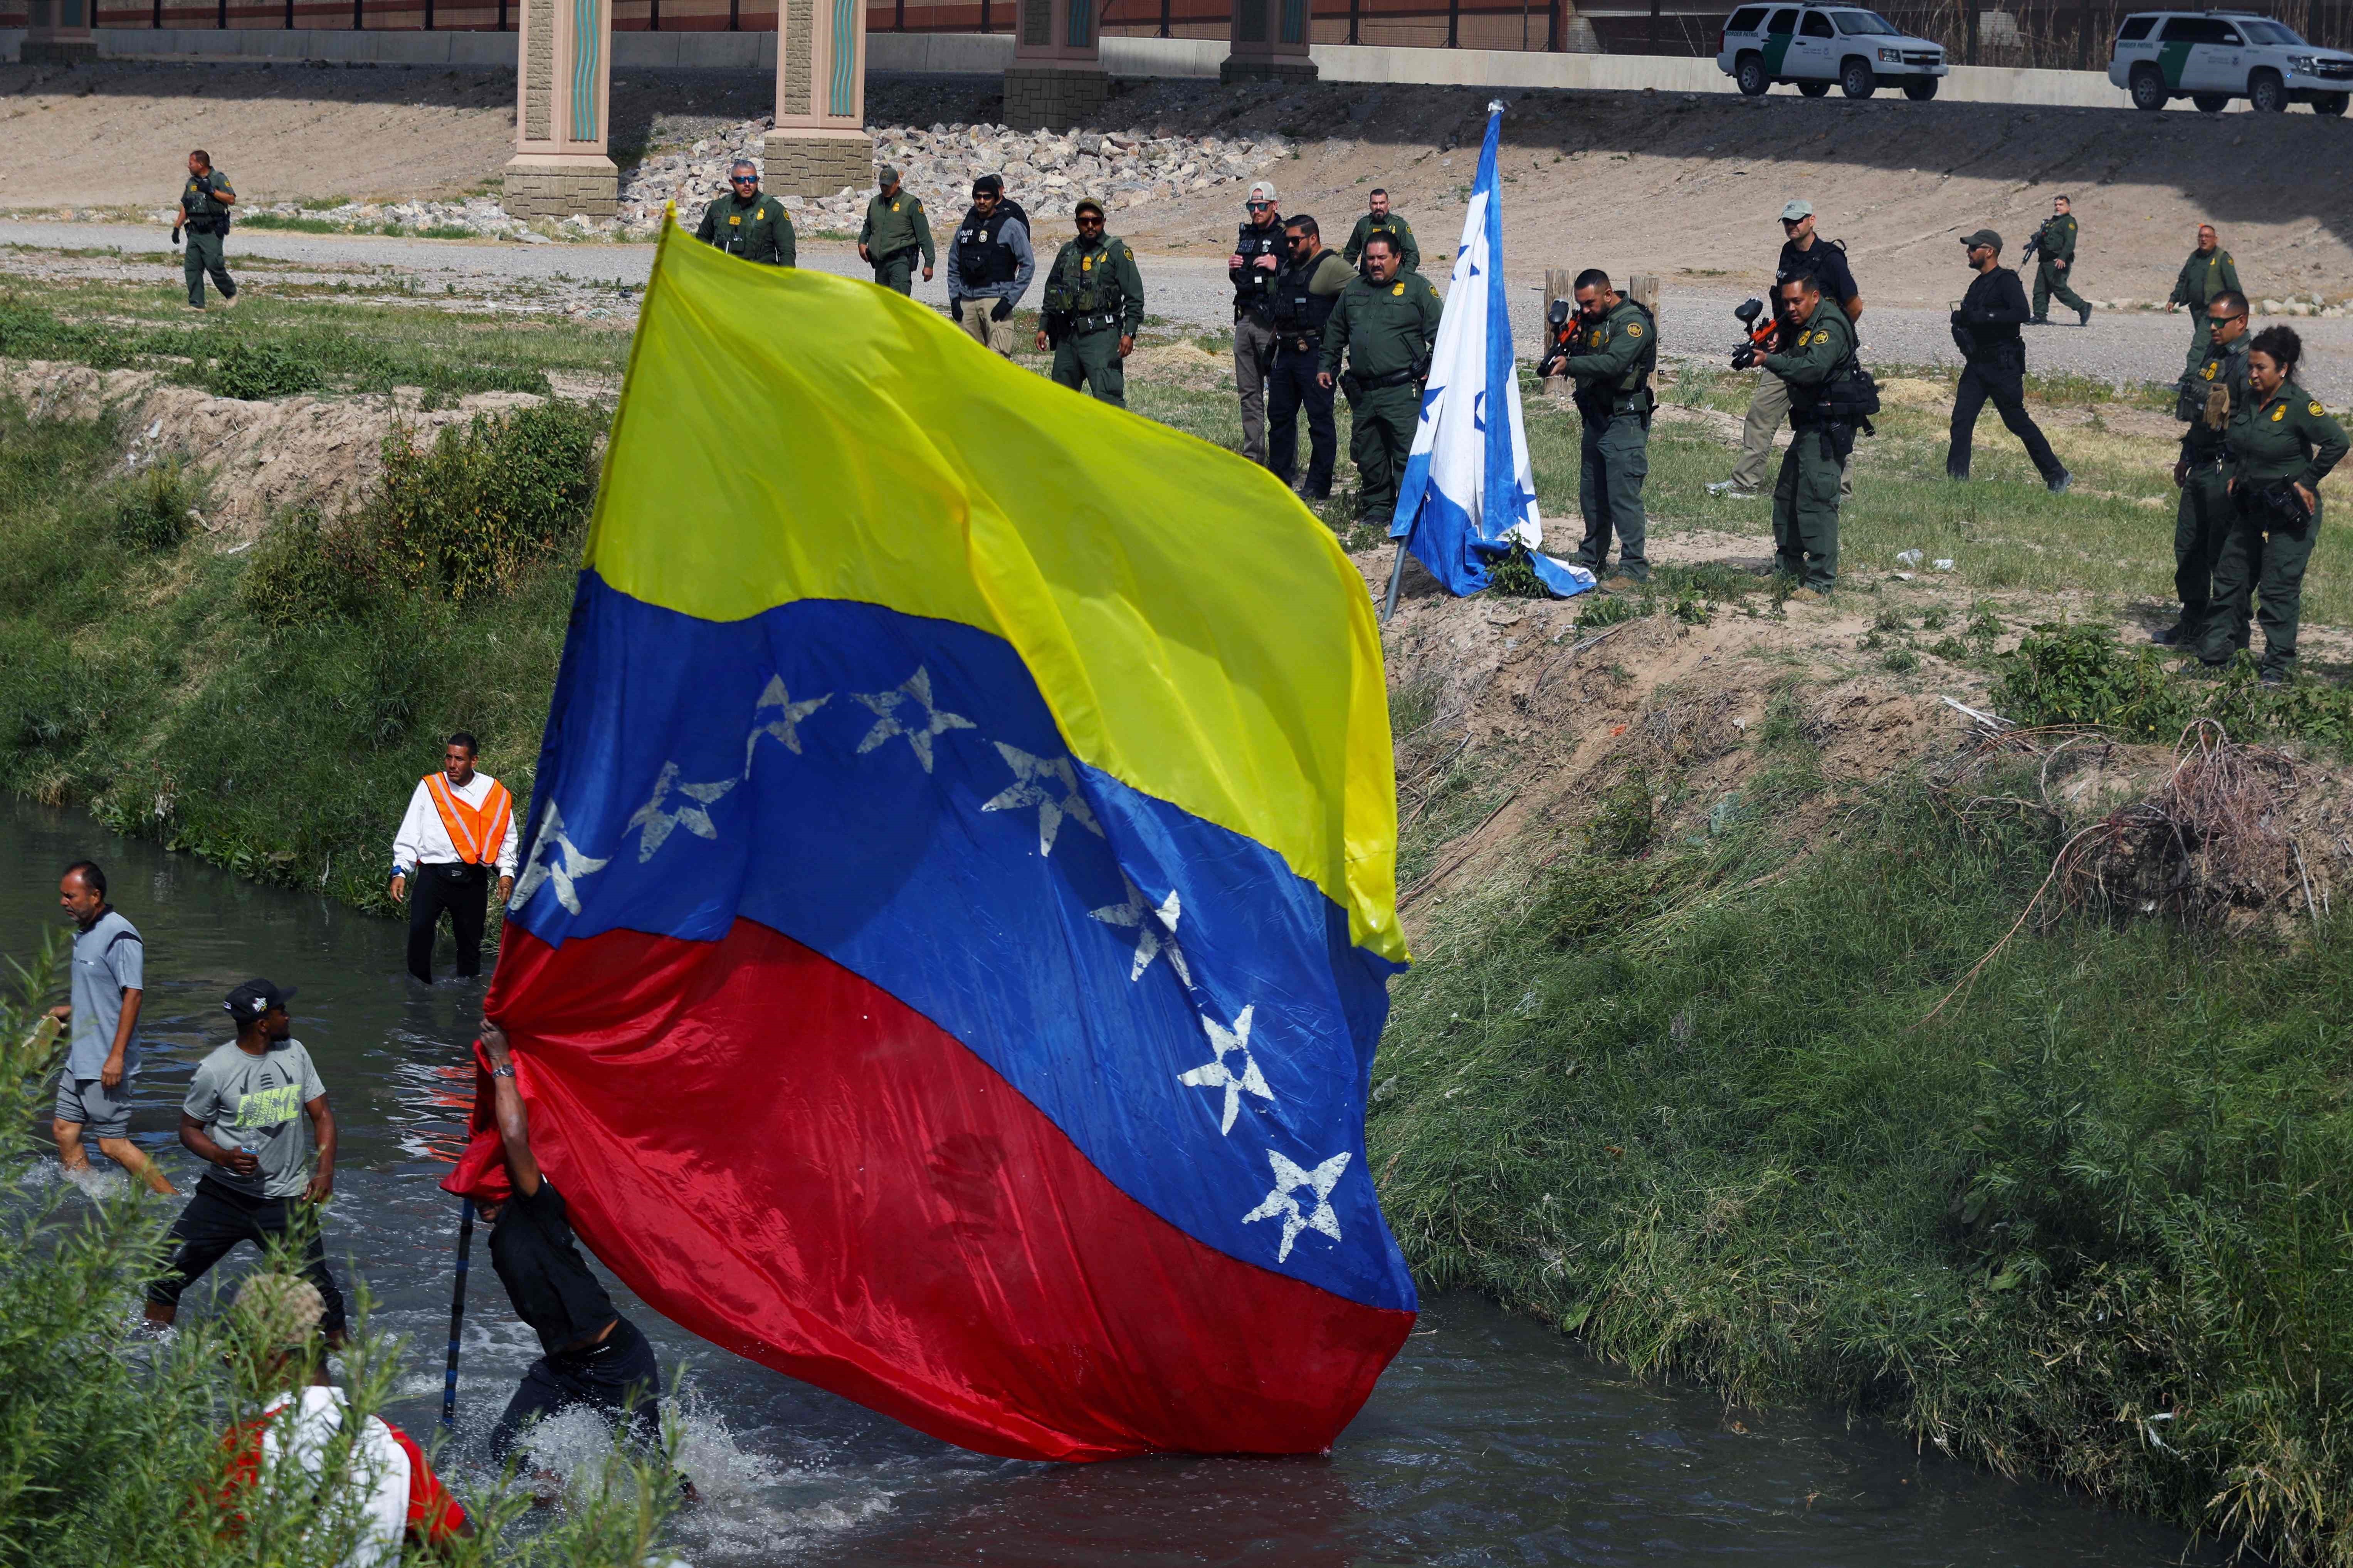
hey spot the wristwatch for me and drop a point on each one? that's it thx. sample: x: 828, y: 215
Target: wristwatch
x: 506, y: 1071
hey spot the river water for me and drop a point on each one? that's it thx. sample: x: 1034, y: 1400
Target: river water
x: 1489, y: 1441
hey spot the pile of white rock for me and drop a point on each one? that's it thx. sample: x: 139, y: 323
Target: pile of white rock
x: 1047, y: 172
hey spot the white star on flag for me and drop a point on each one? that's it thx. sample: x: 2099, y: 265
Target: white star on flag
x: 1218, y: 1075
x: 692, y: 815
x: 572, y: 865
x: 1156, y: 929
x: 886, y: 704
x: 1289, y: 1178
x: 785, y: 725
x: 1030, y: 775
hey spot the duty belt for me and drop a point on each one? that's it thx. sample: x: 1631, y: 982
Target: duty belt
x: 1394, y: 378
x: 1094, y: 323
x: 1300, y: 342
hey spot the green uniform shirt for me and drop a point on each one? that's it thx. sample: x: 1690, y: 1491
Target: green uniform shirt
x: 2288, y: 435
x: 894, y: 224
x: 2217, y: 367
x: 1094, y: 283
x: 2204, y: 277
x: 1822, y: 344
x: 1383, y: 328
x: 196, y: 204
x: 1610, y: 358
x: 756, y: 230
x: 2058, y: 238
x: 1396, y: 227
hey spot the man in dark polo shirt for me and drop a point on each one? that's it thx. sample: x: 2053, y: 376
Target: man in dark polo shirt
x: 1803, y: 255
x: 594, y: 1355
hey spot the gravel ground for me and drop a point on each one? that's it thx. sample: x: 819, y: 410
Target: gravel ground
x: 2118, y: 346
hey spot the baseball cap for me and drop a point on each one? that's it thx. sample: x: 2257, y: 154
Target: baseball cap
x: 1083, y: 203
x: 886, y: 175
x: 255, y: 998
x: 1985, y: 236
x: 1263, y: 191
x: 1793, y: 211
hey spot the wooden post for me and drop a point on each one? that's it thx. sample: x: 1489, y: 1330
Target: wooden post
x: 1642, y: 288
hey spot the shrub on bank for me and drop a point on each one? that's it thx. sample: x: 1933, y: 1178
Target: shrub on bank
x: 270, y: 711
x: 2087, y: 1221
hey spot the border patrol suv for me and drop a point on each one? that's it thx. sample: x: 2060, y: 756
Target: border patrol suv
x: 2212, y: 56
x: 1814, y: 45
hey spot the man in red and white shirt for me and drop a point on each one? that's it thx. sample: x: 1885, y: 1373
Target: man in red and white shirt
x: 367, y: 1488
x: 460, y: 824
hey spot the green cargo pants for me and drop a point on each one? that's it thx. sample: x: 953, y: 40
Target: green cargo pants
x: 897, y: 271
x: 1092, y: 359
x: 1380, y: 438
x: 2050, y: 281
x: 1806, y: 510
x: 2269, y: 566
x: 2200, y: 524
x: 204, y: 256
x: 1615, y: 456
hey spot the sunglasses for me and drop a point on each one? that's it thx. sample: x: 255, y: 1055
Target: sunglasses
x: 743, y: 179
x: 1090, y: 220
x: 1258, y: 207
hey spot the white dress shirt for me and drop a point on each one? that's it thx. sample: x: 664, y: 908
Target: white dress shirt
x: 423, y: 841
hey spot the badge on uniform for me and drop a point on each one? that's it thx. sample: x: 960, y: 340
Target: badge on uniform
x: 894, y: 206
x: 736, y: 217
x: 2279, y: 413
x: 1634, y: 329
x: 1398, y: 290
x: 2315, y: 409
x: 2211, y: 366
x: 1086, y: 264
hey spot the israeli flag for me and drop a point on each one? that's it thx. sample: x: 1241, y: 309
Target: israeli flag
x: 1468, y: 494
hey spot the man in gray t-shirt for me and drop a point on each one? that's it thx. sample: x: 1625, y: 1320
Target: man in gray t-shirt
x: 247, y: 1113
x: 110, y: 978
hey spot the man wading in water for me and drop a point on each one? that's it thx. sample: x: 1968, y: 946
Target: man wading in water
x: 594, y: 1356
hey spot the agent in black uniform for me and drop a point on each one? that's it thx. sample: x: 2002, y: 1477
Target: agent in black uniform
x: 1985, y: 329
x: 1258, y: 256
x: 1305, y: 292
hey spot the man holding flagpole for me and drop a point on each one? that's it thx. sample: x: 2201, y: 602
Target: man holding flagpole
x: 459, y: 824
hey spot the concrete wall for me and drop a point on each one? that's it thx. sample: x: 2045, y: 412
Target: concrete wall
x: 989, y: 53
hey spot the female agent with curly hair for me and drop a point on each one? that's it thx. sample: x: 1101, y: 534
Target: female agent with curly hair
x: 2282, y: 444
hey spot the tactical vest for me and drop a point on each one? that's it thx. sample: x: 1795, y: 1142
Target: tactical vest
x: 2223, y: 370
x: 1254, y: 292
x: 1088, y: 297
x: 1300, y: 312
x: 1633, y: 388
x: 982, y: 260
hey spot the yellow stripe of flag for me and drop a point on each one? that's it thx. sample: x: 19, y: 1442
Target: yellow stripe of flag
x: 1198, y: 634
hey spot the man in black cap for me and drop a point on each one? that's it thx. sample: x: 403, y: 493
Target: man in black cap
x: 1986, y: 329
x: 895, y: 230
x: 244, y: 1117
x: 990, y: 265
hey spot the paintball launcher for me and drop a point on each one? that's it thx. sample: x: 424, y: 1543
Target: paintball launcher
x: 1759, y: 326
x: 2033, y: 244
x: 1561, y: 317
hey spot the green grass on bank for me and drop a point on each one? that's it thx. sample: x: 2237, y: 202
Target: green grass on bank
x: 269, y: 710
x: 271, y: 347
x: 2089, y: 1221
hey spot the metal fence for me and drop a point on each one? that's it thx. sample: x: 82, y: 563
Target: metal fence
x: 2061, y: 34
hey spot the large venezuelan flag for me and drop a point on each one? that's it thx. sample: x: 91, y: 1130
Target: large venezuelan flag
x: 960, y: 898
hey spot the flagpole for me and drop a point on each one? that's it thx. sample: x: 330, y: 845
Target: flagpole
x: 456, y: 1312
x: 1397, y: 577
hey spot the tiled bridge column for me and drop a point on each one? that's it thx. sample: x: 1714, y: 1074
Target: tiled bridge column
x: 59, y: 33
x: 819, y: 145
x: 1055, y: 80
x: 1269, y: 43
x: 562, y: 91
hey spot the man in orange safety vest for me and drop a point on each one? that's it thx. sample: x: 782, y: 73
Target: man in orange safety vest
x: 460, y: 824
